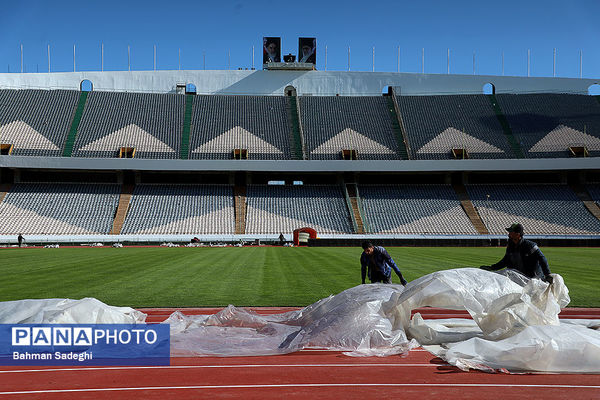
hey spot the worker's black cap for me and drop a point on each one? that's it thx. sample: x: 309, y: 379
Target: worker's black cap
x: 518, y: 228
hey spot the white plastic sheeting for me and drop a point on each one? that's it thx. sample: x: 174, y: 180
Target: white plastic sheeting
x: 514, y: 326
x: 548, y: 348
x: 356, y: 320
x: 67, y: 311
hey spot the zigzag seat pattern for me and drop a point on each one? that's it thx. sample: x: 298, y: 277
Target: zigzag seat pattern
x: 180, y: 209
x: 414, y: 209
x: 546, y: 125
x: 276, y: 209
x: 151, y: 123
x: 546, y: 209
x: 259, y: 124
x: 438, y: 124
x: 59, y: 208
x: 332, y: 124
x: 36, y: 122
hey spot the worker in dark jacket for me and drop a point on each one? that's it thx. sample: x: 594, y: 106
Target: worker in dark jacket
x: 523, y: 256
x: 378, y: 264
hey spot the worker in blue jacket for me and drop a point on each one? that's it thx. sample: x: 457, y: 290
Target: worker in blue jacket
x: 523, y: 256
x: 378, y: 264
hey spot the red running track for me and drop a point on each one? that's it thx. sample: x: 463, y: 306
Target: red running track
x: 309, y: 373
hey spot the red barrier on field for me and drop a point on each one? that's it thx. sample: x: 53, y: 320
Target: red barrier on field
x: 301, y: 235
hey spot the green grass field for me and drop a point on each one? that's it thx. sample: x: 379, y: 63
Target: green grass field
x: 251, y: 276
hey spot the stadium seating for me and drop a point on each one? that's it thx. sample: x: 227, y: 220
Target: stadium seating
x: 59, y: 208
x: 437, y: 124
x: 594, y: 191
x: 36, y: 122
x: 549, y: 209
x: 546, y: 125
x: 332, y: 124
x: 150, y: 123
x: 180, y: 209
x: 414, y: 209
x: 259, y: 124
x: 281, y: 209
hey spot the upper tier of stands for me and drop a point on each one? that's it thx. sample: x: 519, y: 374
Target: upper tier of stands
x: 259, y: 124
x: 546, y: 125
x: 414, y: 209
x: 333, y: 124
x: 437, y: 124
x: 278, y: 209
x: 549, y: 209
x: 180, y: 209
x: 36, y: 122
x: 59, y: 208
x: 151, y: 123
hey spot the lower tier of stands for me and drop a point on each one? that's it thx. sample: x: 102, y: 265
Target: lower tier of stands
x: 169, y: 209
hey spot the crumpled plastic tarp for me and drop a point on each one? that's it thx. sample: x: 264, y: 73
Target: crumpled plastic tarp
x: 510, y: 313
x: 356, y: 320
x: 514, y: 325
x: 546, y: 348
x: 67, y: 311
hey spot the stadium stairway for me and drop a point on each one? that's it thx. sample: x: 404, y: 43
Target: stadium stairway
x: 187, y: 127
x: 121, y: 213
x: 239, y: 195
x: 469, y: 209
x: 296, y: 139
x: 4, y: 189
x: 514, y: 145
x: 352, y: 192
x: 70, y: 142
x: 587, y: 200
x: 403, y: 147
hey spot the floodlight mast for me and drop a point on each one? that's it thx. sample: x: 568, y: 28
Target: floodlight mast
x: 373, y: 58
x: 348, y: 58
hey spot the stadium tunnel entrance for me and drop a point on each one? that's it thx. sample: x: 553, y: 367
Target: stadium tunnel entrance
x: 86, y: 85
x: 489, y: 89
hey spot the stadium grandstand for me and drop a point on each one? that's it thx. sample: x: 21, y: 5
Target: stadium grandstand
x: 249, y: 155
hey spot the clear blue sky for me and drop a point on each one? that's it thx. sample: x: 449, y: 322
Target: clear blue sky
x: 218, y: 28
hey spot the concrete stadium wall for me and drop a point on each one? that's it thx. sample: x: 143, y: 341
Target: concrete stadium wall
x: 300, y: 166
x: 318, y: 83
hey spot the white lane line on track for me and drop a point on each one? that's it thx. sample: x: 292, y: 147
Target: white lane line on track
x: 297, y: 385
x: 218, y: 366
